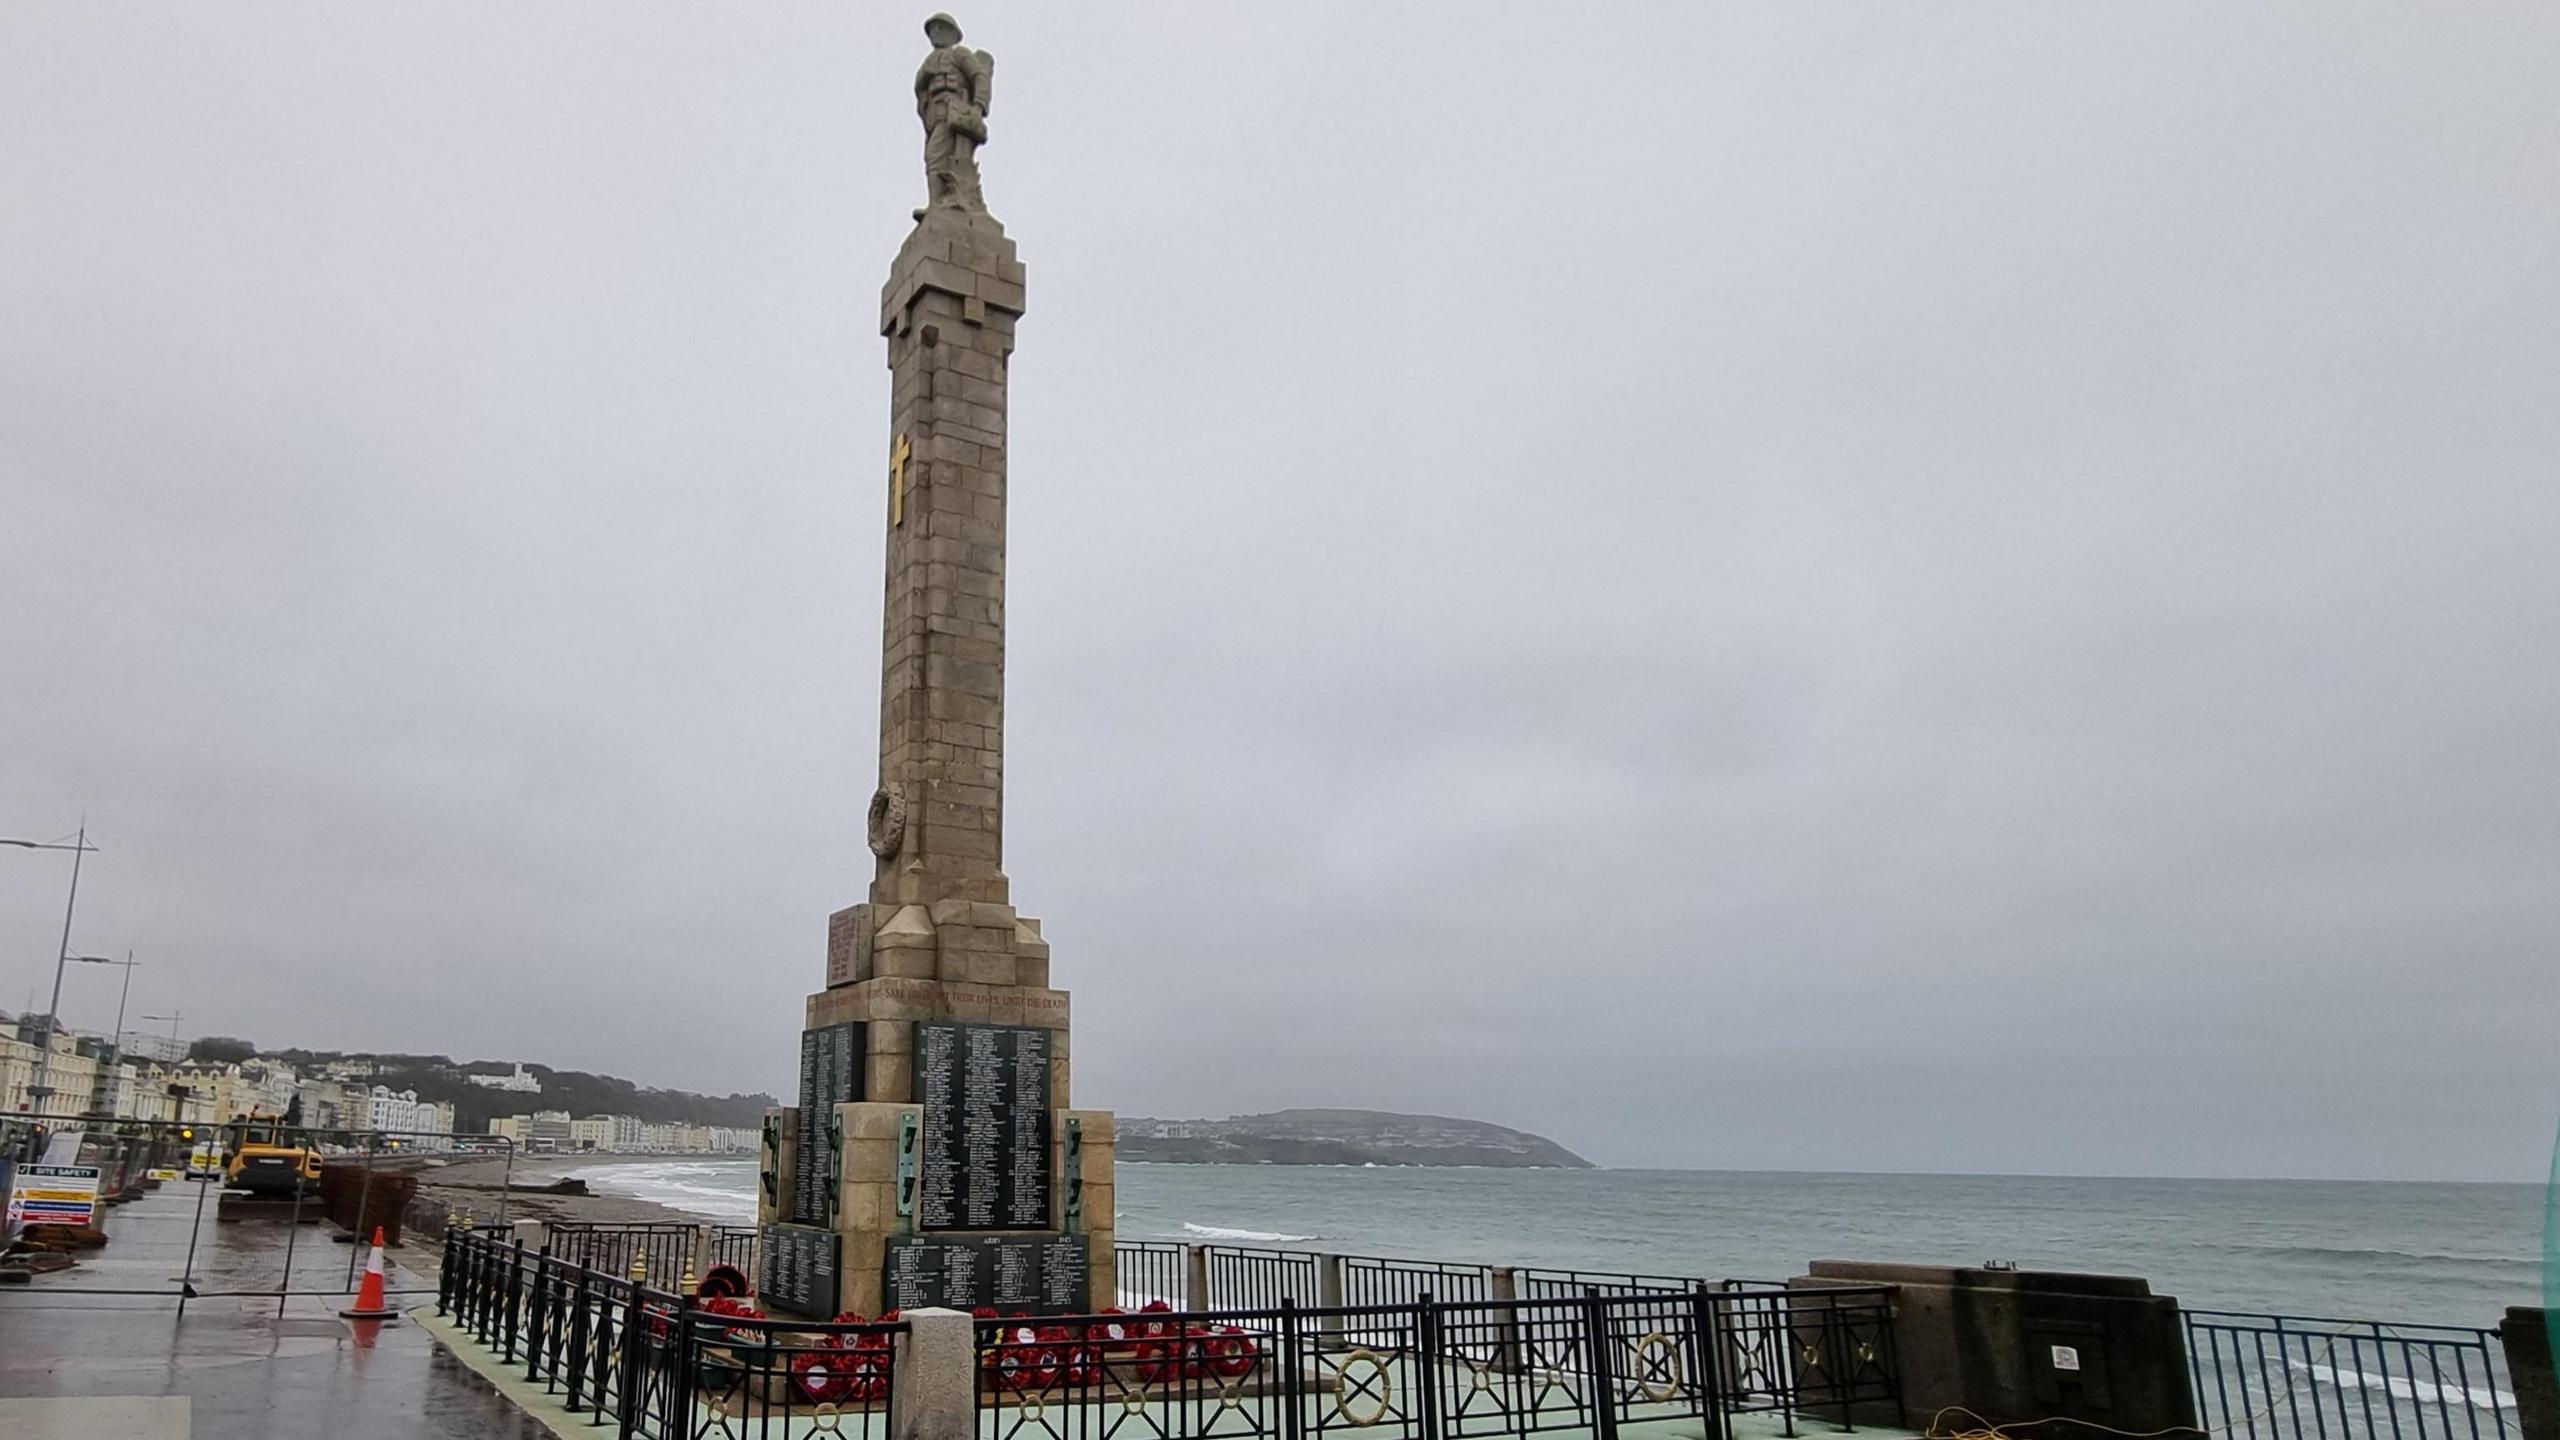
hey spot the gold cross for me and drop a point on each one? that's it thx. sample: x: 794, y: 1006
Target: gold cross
x: 898, y: 454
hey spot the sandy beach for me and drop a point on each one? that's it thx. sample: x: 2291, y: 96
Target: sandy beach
x: 474, y: 1186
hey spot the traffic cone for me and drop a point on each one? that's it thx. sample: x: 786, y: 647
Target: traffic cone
x: 369, y: 1297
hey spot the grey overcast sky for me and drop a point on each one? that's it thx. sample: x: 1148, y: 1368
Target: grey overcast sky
x: 1948, y: 587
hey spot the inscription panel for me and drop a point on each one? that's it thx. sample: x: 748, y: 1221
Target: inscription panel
x: 796, y: 1269
x: 984, y: 1090
x: 1042, y: 1274
x: 831, y: 1072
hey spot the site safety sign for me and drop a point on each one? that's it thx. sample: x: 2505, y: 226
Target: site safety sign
x: 54, y: 1195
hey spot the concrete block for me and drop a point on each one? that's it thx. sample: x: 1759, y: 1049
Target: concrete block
x: 936, y: 1397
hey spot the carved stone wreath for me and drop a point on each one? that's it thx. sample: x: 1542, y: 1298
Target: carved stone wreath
x: 887, y: 822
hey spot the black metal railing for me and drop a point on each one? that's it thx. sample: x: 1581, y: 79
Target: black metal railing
x: 2292, y: 1377
x: 1532, y: 1283
x: 1427, y: 1370
x: 1377, y: 1280
x: 655, y: 1364
x: 665, y: 1247
x: 734, y: 1245
x: 1154, y: 1270
x: 1815, y: 1352
x: 1246, y: 1278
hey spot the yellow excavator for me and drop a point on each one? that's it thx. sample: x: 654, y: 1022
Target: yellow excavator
x: 267, y: 1158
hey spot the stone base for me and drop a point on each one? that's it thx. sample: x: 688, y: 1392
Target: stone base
x: 976, y: 942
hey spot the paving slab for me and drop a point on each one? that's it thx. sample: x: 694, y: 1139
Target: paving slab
x: 76, y: 1359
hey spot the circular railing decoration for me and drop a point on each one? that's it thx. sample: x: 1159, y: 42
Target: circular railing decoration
x: 1376, y: 1384
x: 1658, y: 1367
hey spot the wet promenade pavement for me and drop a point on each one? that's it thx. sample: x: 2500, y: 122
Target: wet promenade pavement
x: 75, y: 1361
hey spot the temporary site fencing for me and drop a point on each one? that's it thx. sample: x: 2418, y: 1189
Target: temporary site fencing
x: 364, y: 1182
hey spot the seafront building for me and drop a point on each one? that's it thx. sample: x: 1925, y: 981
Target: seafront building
x: 554, y: 1132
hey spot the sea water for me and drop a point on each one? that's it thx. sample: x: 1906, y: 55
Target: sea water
x: 2451, y: 1254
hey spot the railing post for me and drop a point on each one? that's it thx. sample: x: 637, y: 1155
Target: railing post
x: 535, y: 1315
x: 578, y: 1333
x: 1292, y: 1365
x: 1195, y: 1279
x: 1706, y: 1364
x: 680, y: 1381
x: 1604, y: 1384
x: 515, y: 1297
x: 627, y: 1363
x: 1506, y: 1321
x: 933, y: 1385
x: 1426, y: 1367
x: 1329, y: 1297
x: 444, y: 1273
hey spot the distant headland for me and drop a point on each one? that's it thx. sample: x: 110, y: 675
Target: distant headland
x: 1339, y: 1137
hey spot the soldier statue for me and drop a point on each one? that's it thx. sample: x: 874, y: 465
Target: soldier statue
x: 953, y: 88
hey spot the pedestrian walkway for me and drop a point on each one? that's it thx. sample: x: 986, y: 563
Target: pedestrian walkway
x: 78, y: 1362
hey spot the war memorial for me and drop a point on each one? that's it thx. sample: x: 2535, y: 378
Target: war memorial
x: 933, y: 1158
x: 934, y: 1253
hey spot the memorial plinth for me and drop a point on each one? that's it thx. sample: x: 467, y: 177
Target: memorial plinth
x: 933, y: 1157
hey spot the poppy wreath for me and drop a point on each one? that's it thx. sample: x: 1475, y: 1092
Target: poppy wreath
x: 1114, y: 1333
x: 1023, y: 1358
x: 826, y: 1377
x: 1229, y: 1352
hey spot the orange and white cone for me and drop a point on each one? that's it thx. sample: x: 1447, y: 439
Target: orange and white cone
x: 369, y: 1297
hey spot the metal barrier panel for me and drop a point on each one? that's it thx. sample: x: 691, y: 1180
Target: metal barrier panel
x: 2278, y: 1377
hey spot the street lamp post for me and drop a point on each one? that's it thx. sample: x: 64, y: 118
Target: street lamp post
x: 80, y: 846
x: 115, y: 1045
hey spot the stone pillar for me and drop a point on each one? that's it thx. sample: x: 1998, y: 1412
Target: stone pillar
x: 936, y: 942
x: 935, y: 1393
x: 1195, y: 1279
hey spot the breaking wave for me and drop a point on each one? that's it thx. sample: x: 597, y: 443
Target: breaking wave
x: 2405, y: 1387
x: 1221, y: 1232
x: 723, y: 1190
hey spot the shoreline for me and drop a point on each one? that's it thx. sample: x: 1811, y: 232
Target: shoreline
x: 474, y: 1186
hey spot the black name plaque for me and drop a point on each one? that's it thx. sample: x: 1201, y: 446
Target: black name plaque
x: 796, y: 1269
x: 985, y: 1161
x: 1037, y: 1274
x: 831, y: 1073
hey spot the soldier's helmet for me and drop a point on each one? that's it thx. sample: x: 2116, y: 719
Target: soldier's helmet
x: 941, y: 29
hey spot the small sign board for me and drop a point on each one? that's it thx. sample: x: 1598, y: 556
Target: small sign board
x: 54, y: 1195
